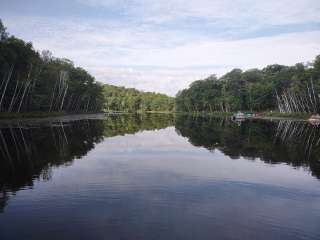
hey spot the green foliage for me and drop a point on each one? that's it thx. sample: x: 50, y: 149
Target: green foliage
x: 253, y: 89
x: 3, y: 32
x: 276, y: 114
x: 131, y: 100
x: 33, y: 82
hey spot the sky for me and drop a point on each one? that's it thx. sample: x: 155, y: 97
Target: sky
x: 164, y: 45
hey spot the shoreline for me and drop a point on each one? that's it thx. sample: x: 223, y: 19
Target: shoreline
x: 62, y: 116
x: 49, y: 119
x: 260, y: 115
x: 271, y: 118
x: 4, y: 115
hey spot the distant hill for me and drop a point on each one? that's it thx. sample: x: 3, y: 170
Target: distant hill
x: 132, y: 100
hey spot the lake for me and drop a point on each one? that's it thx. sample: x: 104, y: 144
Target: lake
x: 159, y: 176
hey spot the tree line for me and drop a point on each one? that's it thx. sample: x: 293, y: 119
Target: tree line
x: 286, y: 88
x: 38, y: 82
x: 132, y: 100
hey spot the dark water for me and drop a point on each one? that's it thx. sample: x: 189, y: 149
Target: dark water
x: 159, y: 177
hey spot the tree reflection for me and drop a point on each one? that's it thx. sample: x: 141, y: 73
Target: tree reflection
x: 301, y: 134
x: 294, y: 143
x: 29, y: 151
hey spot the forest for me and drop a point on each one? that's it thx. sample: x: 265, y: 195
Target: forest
x: 285, y: 88
x: 38, y: 82
x: 131, y: 100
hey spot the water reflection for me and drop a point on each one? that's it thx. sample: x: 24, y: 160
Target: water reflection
x: 294, y: 143
x: 30, y: 150
x: 300, y: 134
x: 131, y: 183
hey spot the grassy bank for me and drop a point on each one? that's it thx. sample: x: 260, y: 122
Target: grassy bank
x: 30, y: 115
x: 58, y: 114
x: 259, y: 115
x: 140, y: 112
x: 212, y: 114
x: 298, y: 116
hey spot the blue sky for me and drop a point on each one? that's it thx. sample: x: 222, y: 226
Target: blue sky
x: 163, y: 45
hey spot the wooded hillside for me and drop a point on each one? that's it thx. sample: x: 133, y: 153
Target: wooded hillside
x: 132, y: 100
x: 286, y: 88
x: 38, y: 82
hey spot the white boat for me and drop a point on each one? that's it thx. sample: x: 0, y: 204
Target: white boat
x: 239, y: 115
x: 314, y: 119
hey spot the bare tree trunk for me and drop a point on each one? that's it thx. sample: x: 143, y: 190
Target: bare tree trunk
x: 64, y: 95
x: 13, y: 97
x: 314, y: 96
x: 87, y: 105
x: 6, y: 85
x: 24, y: 92
x: 52, y: 98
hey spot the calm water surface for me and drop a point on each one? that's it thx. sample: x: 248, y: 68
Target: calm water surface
x: 159, y: 177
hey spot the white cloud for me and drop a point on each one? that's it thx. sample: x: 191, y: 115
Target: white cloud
x: 178, y: 67
x: 271, y: 11
x: 164, y: 80
x: 147, y: 50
